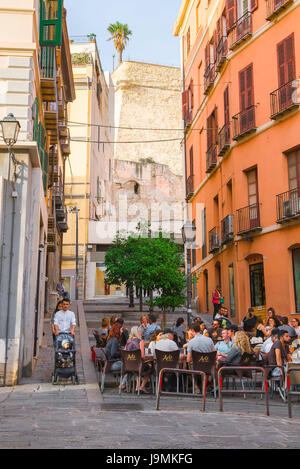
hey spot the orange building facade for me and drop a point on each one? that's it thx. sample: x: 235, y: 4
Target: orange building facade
x: 241, y: 65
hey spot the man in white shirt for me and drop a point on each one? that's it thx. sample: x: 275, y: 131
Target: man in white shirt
x: 267, y: 345
x: 166, y: 342
x: 64, y: 320
x: 199, y: 342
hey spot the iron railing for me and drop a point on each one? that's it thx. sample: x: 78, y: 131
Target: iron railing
x: 211, y: 158
x: 214, y: 240
x: 227, y: 231
x: 284, y: 99
x: 209, y: 77
x: 241, y: 31
x: 274, y: 7
x: 224, y: 139
x: 221, y: 52
x: 244, y: 122
x: 248, y: 218
x: 288, y: 205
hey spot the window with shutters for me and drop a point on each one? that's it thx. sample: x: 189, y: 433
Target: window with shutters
x: 212, y: 140
x: 224, y: 134
x: 275, y: 7
x: 285, y: 97
x: 244, y: 122
x: 190, y: 179
x: 294, y: 169
x: 51, y: 22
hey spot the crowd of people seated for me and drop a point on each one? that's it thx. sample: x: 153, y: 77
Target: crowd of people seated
x: 267, y: 342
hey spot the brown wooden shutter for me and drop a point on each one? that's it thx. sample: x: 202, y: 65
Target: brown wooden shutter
x: 249, y: 86
x: 192, y: 94
x: 226, y: 114
x: 286, y: 60
x: 209, y: 132
x: 219, y: 30
x: 242, y: 76
x: 215, y: 125
x: 191, y: 161
x: 231, y: 13
x: 215, y: 44
x: 207, y: 55
x: 184, y: 104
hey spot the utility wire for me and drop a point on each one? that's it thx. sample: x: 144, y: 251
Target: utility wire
x: 139, y: 141
x: 82, y: 124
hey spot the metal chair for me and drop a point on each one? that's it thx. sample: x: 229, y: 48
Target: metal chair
x: 205, y: 362
x: 166, y: 360
x: 103, y: 366
x: 132, y: 365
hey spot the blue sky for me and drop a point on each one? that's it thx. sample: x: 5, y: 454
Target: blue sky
x: 151, y: 22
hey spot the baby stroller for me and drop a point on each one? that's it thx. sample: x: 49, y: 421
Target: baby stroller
x: 64, y: 359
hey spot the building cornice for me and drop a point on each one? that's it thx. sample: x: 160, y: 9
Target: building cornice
x: 25, y: 147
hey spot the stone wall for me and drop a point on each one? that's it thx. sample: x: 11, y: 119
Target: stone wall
x: 148, y: 96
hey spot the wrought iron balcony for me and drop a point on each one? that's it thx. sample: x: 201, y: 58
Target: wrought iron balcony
x: 224, y: 139
x: 209, y: 78
x: 221, y: 53
x: 275, y: 7
x: 211, y: 158
x: 284, y: 99
x: 214, y: 240
x: 227, y: 229
x: 58, y: 192
x: 48, y: 73
x: 248, y: 219
x: 63, y: 221
x: 244, y: 123
x: 190, y: 186
x: 288, y: 205
x: 241, y: 31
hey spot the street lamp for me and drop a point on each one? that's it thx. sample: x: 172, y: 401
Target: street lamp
x: 10, y: 130
x: 188, y: 232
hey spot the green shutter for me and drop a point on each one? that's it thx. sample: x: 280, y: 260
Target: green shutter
x: 45, y: 171
x: 35, y: 113
x: 51, y: 22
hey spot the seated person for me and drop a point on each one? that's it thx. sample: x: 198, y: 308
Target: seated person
x: 136, y: 342
x: 125, y: 334
x: 268, y: 343
x: 199, y: 342
x: 249, y: 321
x: 180, y: 330
x: 102, y: 332
x: 112, y: 349
x: 215, y: 332
x: 295, y: 323
x: 222, y: 317
x: 266, y: 330
x: 151, y: 327
x: 166, y: 342
x: 285, y: 327
x: 241, y: 345
x: 279, y: 353
x: 223, y: 347
x: 154, y: 338
x: 143, y: 323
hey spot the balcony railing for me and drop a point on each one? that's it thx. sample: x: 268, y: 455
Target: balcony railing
x: 209, y: 77
x: 224, y: 139
x: 275, y: 7
x: 190, y: 186
x: 288, y: 205
x: 214, y: 240
x: 244, y: 123
x: 221, y: 53
x: 211, y: 158
x: 284, y: 99
x: 241, y: 31
x: 248, y: 219
x: 227, y: 229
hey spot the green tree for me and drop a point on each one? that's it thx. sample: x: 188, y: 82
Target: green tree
x: 120, y: 35
x: 149, y: 263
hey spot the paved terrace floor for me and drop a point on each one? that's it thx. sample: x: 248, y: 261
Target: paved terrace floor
x: 37, y: 414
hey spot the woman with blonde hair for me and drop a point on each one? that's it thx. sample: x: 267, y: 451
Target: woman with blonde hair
x: 136, y: 342
x: 240, y: 346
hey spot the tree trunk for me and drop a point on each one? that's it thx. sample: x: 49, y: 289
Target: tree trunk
x: 131, y: 297
x: 141, y: 299
x: 151, y: 300
x: 120, y: 55
x: 163, y: 322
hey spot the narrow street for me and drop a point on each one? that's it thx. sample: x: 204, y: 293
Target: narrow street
x: 37, y: 414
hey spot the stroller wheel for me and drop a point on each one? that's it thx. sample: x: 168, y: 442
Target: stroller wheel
x: 54, y: 378
x: 76, y: 379
x: 73, y: 379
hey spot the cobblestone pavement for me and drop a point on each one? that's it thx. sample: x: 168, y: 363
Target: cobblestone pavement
x: 37, y: 414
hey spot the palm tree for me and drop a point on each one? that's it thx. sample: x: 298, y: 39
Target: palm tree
x: 120, y: 35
